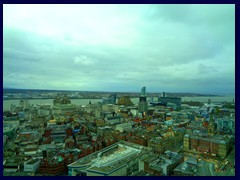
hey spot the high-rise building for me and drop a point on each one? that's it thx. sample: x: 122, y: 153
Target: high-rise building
x: 142, y: 105
x: 163, y: 94
x: 143, y: 91
x: 165, y: 100
x: 143, y: 96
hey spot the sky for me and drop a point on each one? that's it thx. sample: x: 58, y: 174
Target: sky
x: 110, y: 47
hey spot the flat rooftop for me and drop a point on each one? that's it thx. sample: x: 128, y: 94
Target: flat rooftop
x: 119, y: 153
x: 33, y: 161
x: 112, y: 157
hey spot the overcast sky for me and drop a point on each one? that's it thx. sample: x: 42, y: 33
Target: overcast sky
x: 171, y: 48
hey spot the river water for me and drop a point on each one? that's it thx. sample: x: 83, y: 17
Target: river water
x: 7, y: 103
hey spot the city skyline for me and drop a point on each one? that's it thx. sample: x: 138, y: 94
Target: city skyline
x: 172, y: 48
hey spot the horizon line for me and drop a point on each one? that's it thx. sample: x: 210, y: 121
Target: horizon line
x: 117, y: 91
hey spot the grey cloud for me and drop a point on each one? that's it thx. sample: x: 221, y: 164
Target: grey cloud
x: 203, y: 69
x: 172, y: 12
x: 159, y: 46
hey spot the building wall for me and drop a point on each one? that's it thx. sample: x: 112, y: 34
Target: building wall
x: 167, y: 144
x: 100, y: 122
x: 154, y: 172
x: 124, y: 127
x: 89, y: 173
x: 125, y: 100
x: 171, y: 100
x: 125, y: 165
x: 120, y: 172
x: 142, y: 106
x: 110, y: 108
x: 31, y: 167
x: 202, y: 145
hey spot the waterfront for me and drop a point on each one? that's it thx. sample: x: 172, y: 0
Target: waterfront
x: 79, y: 102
